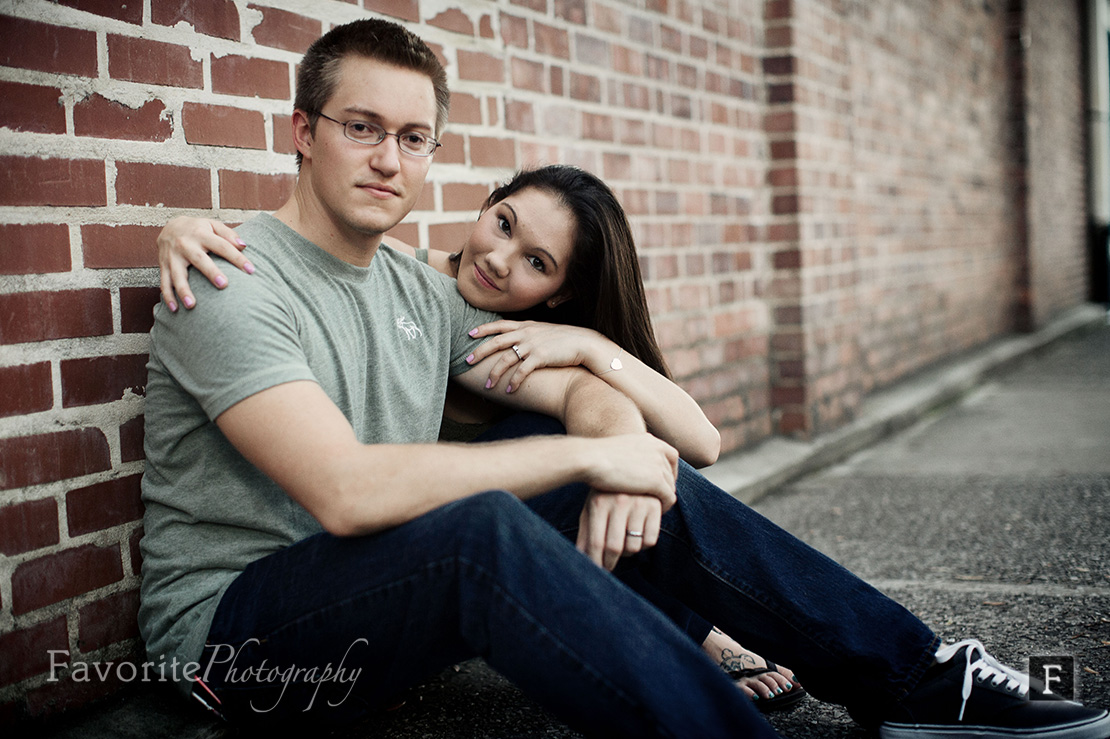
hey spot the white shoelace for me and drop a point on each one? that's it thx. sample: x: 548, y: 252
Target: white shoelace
x: 986, y: 666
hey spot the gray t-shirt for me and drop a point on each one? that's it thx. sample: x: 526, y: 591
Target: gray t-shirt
x: 381, y: 342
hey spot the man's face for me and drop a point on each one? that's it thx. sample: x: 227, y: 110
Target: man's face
x: 361, y: 190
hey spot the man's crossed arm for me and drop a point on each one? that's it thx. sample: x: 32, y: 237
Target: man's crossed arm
x: 297, y: 436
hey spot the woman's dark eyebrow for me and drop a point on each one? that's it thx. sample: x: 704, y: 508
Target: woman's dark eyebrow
x: 513, y: 211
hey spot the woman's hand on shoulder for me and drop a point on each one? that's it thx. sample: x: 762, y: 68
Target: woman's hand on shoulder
x: 187, y: 241
x: 538, y: 345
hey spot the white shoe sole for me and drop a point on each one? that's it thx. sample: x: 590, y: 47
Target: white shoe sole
x: 1097, y: 727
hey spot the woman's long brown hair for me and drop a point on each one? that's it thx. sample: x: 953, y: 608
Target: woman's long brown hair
x: 605, y: 287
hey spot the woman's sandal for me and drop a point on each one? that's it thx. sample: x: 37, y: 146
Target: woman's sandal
x: 787, y: 701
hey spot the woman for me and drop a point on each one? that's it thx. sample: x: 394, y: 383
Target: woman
x: 553, y: 253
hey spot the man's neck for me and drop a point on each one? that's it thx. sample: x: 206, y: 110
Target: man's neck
x: 310, y: 221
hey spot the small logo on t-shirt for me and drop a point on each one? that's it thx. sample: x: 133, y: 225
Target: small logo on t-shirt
x: 411, y: 329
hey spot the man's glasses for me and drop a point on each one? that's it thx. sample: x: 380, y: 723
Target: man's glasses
x: 371, y: 134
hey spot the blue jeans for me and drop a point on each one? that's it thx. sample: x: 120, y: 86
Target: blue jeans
x: 493, y: 577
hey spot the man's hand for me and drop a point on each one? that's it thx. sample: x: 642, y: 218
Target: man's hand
x: 637, y: 464
x: 615, y: 525
x: 634, y: 486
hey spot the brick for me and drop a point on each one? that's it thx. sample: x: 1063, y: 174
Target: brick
x: 141, y: 183
x: 480, y: 67
x: 131, y: 439
x: 628, y: 61
x: 108, y: 621
x: 31, y: 108
x: 453, y: 150
x: 558, y: 83
x: 551, y: 41
x: 104, y: 505
x: 56, y: 577
x: 136, y: 307
x: 25, y: 527
x: 114, y: 247
x: 514, y: 32
x: 218, y: 18
x: 572, y: 11
x: 459, y: 196
x: 789, y: 259
x: 778, y: 65
x: 591, y: 50
x: 41, y: 316
x: 492, y: 152
x: 528, y: 75
x: 32, y: 45
x: 406, y: 233
x: 153, y: 62
x: 253, y: 191
x: 246, y: 77
x: 222, y: 125
x: 34, y: 249
x: 540, y: 6
x: 597, y: 127
x: 282, y: 29
x: 120, y: 10
x: 520, y: 116
x: 585, y: 87
x: 452, y: 19
x: 406, y: 10
x: 485, y: 27
x: 27, y: 651
x: 283, y: 133
x: 465, y: 108
x: 448, y: 236
x: 31, y: 460
x: 107, y: 119
x: 34, y: 181
x: 27, y: 389
x: 96, y: 380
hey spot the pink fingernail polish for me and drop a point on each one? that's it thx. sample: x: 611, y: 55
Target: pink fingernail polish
x: 489, y: 384
x: 172, y: 307
x: 509, y: 389
x: 473, y: 332
x: 240, y: 242
x: 470, y: 359
x: 189, y: 302
x: 248, y: 268
x: 221, y: 281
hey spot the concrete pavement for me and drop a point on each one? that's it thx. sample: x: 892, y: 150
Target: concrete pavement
x: 987, y: 514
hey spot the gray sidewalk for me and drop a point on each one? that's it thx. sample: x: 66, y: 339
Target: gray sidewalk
x: 987, y: 514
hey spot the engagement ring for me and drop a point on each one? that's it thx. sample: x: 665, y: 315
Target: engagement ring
x: 516, y: 350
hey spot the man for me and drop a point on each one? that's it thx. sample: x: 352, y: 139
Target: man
x: 310, y: 552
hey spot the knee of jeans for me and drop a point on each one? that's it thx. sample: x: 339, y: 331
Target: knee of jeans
x: 489, y: 518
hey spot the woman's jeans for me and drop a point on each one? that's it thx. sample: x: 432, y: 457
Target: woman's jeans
x: 330, y: 628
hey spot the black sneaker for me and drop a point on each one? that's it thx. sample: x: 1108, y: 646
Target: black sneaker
x: 969, y: 694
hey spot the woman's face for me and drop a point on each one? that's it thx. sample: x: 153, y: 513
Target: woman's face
x: 518, y: 254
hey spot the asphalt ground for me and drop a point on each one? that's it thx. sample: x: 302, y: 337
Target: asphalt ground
x: 976, y: 494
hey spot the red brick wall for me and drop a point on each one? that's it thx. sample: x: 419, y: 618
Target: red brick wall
x: 826, y: 196
x: 1056, y: 152
x: 927, y: 188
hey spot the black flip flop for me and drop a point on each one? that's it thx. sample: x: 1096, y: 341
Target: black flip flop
x: 787, y: 701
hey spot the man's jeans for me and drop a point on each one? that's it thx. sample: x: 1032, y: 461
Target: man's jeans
x: 493, y: 577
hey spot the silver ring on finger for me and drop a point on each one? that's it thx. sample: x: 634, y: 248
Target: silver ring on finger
x: 516, y: 351
x: 636, y: 534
